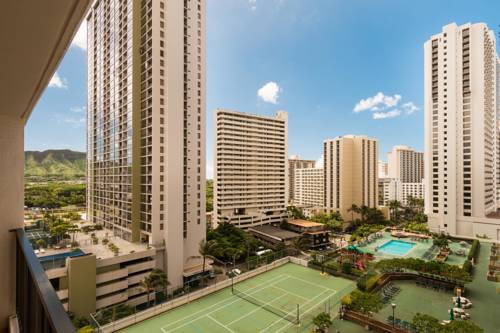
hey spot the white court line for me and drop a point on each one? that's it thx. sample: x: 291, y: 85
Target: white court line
x: 223, y: 301
x: 223, y: 306
x: 312, y: 284
x: 308, y: 310
x: 301, y: 305
x: 255, y: 310
x: 289, y: 292
x: 221, y: 324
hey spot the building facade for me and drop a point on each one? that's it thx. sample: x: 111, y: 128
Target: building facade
x: 393, y: 189
x: 461, y: 131
x: 350, y: 173
x: 309, y: 184
x: 294, y: 163
x: 146, y: 125
x: 405, y: 164
x: 250, y: 171
x: 383, y: 169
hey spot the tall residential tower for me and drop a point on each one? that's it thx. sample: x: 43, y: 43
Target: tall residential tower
x: 350, y: 173
x: 461, y: 131
x: 250, y: 178
x: 294, y: 163
x: 405, y: 164
x: 146, y: 125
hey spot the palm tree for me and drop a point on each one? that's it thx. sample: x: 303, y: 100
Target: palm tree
x: 157, y: 279
x: 353, y: 209
x: 300, y: 244
x: 363, y: 211
x: 394, y: 207
x: 206, y: 250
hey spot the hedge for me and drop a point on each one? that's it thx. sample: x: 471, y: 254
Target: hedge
x: 467, y: 266
x: 474, y: 250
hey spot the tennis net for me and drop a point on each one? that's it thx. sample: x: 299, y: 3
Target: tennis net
x: 290, y: 315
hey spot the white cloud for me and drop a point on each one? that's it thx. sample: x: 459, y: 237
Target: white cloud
x: 253, y: 4
x: 377, y: 102
x: 319, y: 162
x: 58, y: 82
x: 383, y: 106
x: 80, y: 39
x: 409, y: 107
x: 76, y: 122
x: 388, y: 114
x: 78, y: 109
x: 269, y: 92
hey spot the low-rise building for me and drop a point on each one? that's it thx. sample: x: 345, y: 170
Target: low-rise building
x: 314, y: 231
x: 102, y: 271
x: 273, y: 236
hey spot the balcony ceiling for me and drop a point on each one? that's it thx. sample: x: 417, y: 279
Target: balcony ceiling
x: 34, y: 36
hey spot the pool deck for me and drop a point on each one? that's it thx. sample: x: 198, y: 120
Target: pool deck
x: 416, y: 252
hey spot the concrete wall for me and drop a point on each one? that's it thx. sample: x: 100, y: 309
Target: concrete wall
x: 11, y: 207
x: 82, y: 285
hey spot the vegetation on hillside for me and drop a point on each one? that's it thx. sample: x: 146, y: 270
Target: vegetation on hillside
x: 54, y: 195
x: 54, y: 165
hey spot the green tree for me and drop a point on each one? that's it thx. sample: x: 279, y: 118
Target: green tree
x: 363, y: 212
x: 206, y: 250
x: 322, y: 322
x: 460, y: 326
x: 441, y: 241
x: 425, y: 323
x: 353, y: 209
x: 394, y: 207
x: 86, y: 329
x: 156, y: 281
x: 59, y: 228
x: 296, y: 213
x: 300, y: 244
x: 40, y: 243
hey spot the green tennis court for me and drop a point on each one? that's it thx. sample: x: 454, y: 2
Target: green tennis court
x: 284, y: 299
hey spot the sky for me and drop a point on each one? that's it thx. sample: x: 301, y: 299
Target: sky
x: 336, y: 66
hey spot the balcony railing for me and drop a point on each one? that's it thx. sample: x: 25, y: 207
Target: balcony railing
x: 37, y: 305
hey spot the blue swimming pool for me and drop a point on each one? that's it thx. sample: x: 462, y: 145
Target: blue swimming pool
x: 396, y: 247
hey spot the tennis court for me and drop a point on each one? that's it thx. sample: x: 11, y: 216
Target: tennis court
x: 284, y: 299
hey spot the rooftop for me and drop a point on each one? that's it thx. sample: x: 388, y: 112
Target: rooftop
x: 305, y: 223
x: 101, y: 251
x: 278, y: 233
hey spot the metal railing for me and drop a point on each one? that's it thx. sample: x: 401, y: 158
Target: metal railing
x: 37, y: 305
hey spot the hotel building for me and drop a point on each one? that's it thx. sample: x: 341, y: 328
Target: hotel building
x: 350, y: 173
x: 146, y: 126
x: 461, y: 131
x: 394, y: 189
x: 294, y: 163
x: 405, y: 164
x: 251, y: 173
x: 309, y: 184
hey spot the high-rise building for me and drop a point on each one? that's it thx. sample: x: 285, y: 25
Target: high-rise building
x: 251, y: 173
x: 294, y: 162
x: 405, y: 164
x: 146, y: 125
x: 350, y: 173
x: 461, y: 131
x: 394, y: 189
x: 309, y: 184
x: 383, y: 169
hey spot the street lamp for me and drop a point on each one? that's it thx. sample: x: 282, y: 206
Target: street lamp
x: 393, y: 305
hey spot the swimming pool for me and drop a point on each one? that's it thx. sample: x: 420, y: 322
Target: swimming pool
x: 396, y: 247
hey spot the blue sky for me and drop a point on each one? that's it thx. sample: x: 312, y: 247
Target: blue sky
x: 316, y: 59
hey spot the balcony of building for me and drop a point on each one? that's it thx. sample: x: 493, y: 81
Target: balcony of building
x: 34, y: 36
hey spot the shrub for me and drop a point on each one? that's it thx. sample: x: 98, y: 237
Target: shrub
x: 467, y: 266
x: 361, y: 283
x: 474, y: 250
x: 372, y: 282
x: 346, y: 268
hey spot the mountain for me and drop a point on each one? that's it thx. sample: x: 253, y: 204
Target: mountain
x: 54, y: 164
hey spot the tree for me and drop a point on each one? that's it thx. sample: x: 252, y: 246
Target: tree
x: 441, y: 241
x: 394, y: 206
x: 363, y: 212
x: 296, y: 213
x: 322, y: 322
x: 374, y: 216
x: 59, y: 228
x: 156, y: 280
x: 40, y: 243
x: 460, y: 326
x: 206, y: 250
x: 300, y: 244
x: 353, y: 209
x: 425, y: 323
